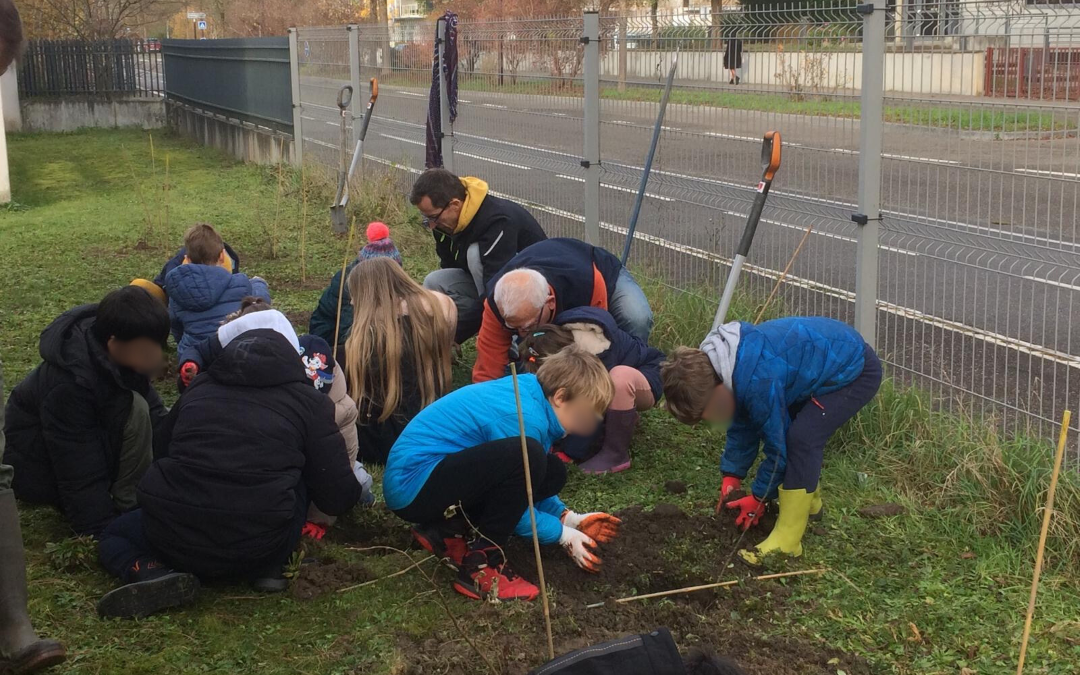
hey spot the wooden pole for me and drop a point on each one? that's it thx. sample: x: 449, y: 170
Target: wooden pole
x: 341, y: 286
x: 532, y: 513
x: 705, y: 587
x: 1047, y: 513
x: 783, y: 275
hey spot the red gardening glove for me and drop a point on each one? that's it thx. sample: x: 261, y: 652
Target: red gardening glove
x: 188, y: 371
x: 600, y: 527
x: 729, y: 485
x: 750, y: 511
x: 313, y: 531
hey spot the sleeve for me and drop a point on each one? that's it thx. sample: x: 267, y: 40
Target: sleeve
x: 345, y: 413
x: 171, y: 263
x: 548, y: 525
x: 175, y: 323
x: 325, y: 315
x: 740, y: 450
x: 328, y: 473
x: 773, y: 411
x: 498, y: 244
x: 74, y: 443
x: 158, y: 411
x: 259, y: 288
x: 492, y: 348
x: 205, y: 352
x: 444, y: 248
x: 163, y: 433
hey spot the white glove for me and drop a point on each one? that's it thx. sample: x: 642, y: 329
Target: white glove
x: 367, y: 496
x: 580, y: 547
x: 601, y: 527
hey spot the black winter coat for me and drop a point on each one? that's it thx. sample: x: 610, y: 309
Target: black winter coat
x: 65, y: 423
x: 243, y: 446
x: 501, y: 228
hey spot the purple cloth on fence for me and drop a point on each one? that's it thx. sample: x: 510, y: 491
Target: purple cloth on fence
x: 433, y: 156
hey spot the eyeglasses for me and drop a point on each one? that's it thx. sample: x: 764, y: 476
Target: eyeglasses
x: 539, y: 320
x: 431, y: 221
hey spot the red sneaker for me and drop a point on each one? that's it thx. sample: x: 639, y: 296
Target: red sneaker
x: 439, y: 541
x: 485, y: 576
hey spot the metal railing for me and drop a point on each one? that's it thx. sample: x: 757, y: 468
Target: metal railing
x: 98, y: 68
x: 247, y: 79
x: 965, y: 272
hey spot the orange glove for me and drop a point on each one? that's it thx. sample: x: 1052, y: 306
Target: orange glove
x: 730, y: 484
x: 188, y: 371
x: 600, y: 527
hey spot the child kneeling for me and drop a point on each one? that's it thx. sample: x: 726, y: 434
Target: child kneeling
x: 788, y: 383
x: 461, y: 456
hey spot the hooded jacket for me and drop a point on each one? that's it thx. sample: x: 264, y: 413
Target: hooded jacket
x: 178, y: 260
x: 501, y: 228
x: 200, y: 297
x: 65, y: 422
x: 580, y: 274
x: 778, y: 364
x: 623, y: 349
x: 324, y: 318
x: 239, y: 452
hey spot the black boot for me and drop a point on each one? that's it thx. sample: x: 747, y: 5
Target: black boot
x: 21, y: 651
x: 151, y: 588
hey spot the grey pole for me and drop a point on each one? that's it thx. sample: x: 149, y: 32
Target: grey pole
x: 592, y: 127
x: 297, y: 105
x: 871, y: 126
x: 622, y: 53
x: 444, y: 101
x: 354, y: 77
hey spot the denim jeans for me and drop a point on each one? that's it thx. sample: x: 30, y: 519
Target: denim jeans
x: 630, y: 307
x: 466, y: 289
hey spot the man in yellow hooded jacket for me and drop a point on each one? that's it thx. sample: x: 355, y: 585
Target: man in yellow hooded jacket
x: 476, y: 233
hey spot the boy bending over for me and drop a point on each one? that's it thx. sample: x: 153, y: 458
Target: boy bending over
x: 790, y: 384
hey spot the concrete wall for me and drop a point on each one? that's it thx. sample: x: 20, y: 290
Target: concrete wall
x: 9, y: 87
x: 242, y: 140
x: 68, y: 114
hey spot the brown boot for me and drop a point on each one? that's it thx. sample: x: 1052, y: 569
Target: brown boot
x: 21, y: 651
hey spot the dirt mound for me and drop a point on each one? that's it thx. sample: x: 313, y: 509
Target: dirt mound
x: 882, y: 511
x: 371, y: 527
x: 675, y: 487
x: 319, y: 578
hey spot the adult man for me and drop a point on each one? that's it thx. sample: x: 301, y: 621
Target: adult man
x: 476, y: 234
x: 80, y: 426
x: 21, y: 651
x: 547, y: 279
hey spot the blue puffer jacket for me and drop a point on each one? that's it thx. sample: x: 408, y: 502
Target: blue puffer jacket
x: 778, y: 364
x: 200, y: 297
x: 471, y: 416
x: 625, y: 349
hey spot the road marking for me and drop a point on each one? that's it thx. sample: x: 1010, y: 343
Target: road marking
x: 409, y: 93
x: 841, y: 294
x: 620, y: 188
x: 1053, y: 174
x: 461, y: 100
x: 624, y: 123
x: 931, y: 160
x: 403, y: 140
x: 493, y: 105
x: 1055, y: 283
x: 493, y: 161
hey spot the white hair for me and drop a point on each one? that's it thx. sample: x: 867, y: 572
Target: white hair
x: 521, y: 288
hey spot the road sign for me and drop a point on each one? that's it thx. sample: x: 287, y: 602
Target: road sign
x: 202, y: 25
x: 196, y: 16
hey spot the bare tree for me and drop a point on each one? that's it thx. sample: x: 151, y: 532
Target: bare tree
x: 100, y: 19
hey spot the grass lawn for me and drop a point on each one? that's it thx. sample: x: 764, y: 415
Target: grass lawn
x: 940, y: 588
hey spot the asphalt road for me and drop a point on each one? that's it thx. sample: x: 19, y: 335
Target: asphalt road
x: 980, y: 248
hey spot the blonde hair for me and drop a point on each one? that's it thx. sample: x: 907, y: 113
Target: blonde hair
x: 689, y: 381
x: 381, y: 294
x: 579, y: 374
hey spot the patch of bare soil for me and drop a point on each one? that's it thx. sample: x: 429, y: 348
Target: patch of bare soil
x: 882, y: 511
x: 371, y: 527
x: 318, y: 579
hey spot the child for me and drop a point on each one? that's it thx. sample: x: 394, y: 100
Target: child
x: 634, y: 368
x: 790, y: 383
x: 398, y: 354
x: 156, y: 287
x: 243, y: 453
x: 205, y: 290
x: 324, y: 318
x: 462, y: 455
x: 80, y: 427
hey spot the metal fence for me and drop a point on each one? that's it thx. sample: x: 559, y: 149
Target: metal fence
x: 99, y: 68
x: 966, y: 270
x: 242, y: 78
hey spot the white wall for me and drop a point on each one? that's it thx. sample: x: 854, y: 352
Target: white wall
x: 9, y: 85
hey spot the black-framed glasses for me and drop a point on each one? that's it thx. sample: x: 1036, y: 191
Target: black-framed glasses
x: 431, y: 221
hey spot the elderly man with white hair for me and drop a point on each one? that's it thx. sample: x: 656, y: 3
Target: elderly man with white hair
x: 545, y: 279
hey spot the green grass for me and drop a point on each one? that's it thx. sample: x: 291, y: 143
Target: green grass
x: 935, y: 591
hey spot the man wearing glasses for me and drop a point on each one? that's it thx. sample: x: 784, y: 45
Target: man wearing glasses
x: 476, y: 234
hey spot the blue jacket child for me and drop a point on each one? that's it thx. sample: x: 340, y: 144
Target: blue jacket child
x: 200, y: 297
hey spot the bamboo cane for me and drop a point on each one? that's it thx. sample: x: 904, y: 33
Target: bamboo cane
x: 341, y: 287
x: 1048, y: 512
x: 705, y: 587
x: 532, y: 513
x: 783, y: 275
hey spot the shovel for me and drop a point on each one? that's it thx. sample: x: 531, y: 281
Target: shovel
x: 770, y: 163
x: 339, y: 222
x: 337, y: 211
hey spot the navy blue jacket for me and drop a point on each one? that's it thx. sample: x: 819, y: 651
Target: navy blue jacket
x: 178, y: 260
x: 625, y: 349
x: 200, y: 297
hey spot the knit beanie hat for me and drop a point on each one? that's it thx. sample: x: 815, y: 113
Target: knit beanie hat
x: 379, y: 245
x: 318, y: 361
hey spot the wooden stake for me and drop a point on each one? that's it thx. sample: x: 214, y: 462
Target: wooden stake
x: 303, y: 229
x: 341, y: 287
x: 1047, y: 513
x: 783, y: 275
x: 532, y: 513
x: 705, y: 587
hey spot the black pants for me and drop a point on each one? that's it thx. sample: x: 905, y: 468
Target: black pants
x: 814, y: 421
x: 488, y: 481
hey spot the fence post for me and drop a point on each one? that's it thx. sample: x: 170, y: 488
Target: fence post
x: 871, y: 126
x: 444, y: 100
x: 591, y: 162
x: 297, y: 103
x: 623, y: 29
x: 5, y: 181
x: 359, y: 95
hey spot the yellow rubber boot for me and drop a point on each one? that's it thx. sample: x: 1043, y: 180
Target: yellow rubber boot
x: 787, y: 534
x: 817, y: 509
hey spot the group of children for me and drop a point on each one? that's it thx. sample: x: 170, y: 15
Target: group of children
x: 265, y: 441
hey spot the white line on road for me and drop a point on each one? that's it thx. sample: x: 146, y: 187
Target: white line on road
x: 954, y: 326
x: 1062, y: 284
x: 493, y: 161
x: 495, y: 106
x: 1053, y: 174
x: 931, y: 160
x: 620, y: 188
x: 403, y: 140
x: 409, y: 93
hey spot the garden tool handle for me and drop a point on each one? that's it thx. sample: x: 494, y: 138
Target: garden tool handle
x: 770, y: 155
x: 344, y: 98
